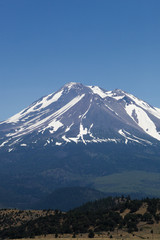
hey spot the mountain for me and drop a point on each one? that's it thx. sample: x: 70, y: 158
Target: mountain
x: 80, y: 136
x: 78, y: 113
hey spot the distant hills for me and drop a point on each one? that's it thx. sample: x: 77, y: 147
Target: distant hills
x: 68, y: 198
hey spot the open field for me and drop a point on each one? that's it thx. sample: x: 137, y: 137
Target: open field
x: 124, y: 236
x: 126, y: 182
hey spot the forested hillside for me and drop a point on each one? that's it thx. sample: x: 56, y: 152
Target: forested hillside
x: 105, y: 215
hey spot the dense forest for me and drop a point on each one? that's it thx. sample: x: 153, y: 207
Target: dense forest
x: 104, y: 215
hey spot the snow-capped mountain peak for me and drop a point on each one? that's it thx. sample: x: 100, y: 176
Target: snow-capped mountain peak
x: 87, y: 114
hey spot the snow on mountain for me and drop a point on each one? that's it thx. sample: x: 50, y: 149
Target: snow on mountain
x: 46, y: 101
x: 143, y: 120
x: 78, y: 113
x: 98, y: 91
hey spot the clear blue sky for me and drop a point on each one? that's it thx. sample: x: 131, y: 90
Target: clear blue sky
x: 47, y: 43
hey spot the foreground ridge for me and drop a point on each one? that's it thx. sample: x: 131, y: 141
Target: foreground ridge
x: 110, y: 217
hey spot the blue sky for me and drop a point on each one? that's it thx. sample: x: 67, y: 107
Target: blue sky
x: 47, y: 43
